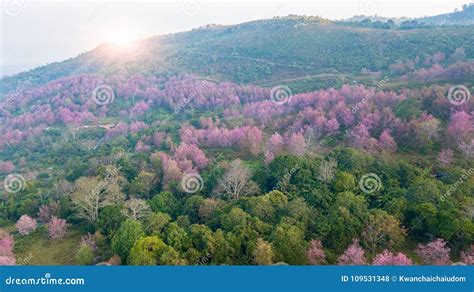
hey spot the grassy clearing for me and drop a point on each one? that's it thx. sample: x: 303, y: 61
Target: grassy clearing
x: 38, y: 249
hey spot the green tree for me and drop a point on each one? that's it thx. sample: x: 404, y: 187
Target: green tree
x: 263, y: 253
x: 347, y: 217
x: 156, y: 222
x: 110, y: 219
x: 165, y: 202
x: 382, y: 231
x: 235, y: 217
x: 85, y: 255
x: 171, y: 257
x: 344, y: 182
x: 125, y: 237
x: 142, y: 184
x: 289, y: 244
x: 191, y: 207
x: 147, y: 250
x: 177, y: 237
x: 202, y: 238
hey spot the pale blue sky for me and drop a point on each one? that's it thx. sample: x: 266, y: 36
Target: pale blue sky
x: 34, y: 33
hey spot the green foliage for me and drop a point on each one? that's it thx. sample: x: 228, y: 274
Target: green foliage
x: 289, y: 244
x: 125, y: 237
x: 408, y: 108
x: 344, y: 182
x: 156, y: 222
x: 177, y: 237
x: 347, y: 218
x: 85, y: 255
x: 191, y: 207
x: 165, y: 202
x: 110, y: 219
x: 127, y: 168
x: 147, y: 251
x: 296, y: 204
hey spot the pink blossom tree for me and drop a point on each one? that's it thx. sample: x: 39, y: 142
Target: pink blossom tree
x: 387, y: 143
x: 6, y: 167
x: 7, y: 261
x: 387, y: 258
x: 57, y: 228
x: 171, y: 171
x: 121, y: 129
x: 191, y: 152
x: 467, y: 148
x: 445, y: 157
x: 353, y: 256
x: 467, y: 257
x: 138, y: 126
x: 297, y: 143
x: 26, y: 225
x: 158, y: 138
x: 434, y: 253
x: 142, y: 147
x: 460, y: 125
x: 251, y: 139
x: 274, y: 146
x: 140, y: 108
x: 47, y: 211
x: 6, y: 249
x: 315, y: 253
x: 6, y: 244
x: 331, y: 126
x: 88, y: 240
x: 361, y: 139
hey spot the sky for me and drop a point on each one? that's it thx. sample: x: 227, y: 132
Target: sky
x: 34, y: 33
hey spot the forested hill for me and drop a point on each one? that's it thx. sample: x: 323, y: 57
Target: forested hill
x: 292, y: 140
x: 264, y: 52
x: 462, y: 17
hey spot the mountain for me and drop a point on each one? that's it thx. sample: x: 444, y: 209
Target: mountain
x: 286, y: 140
x: 463, y: 17
x: 374, y: 18
x: 265, y: 52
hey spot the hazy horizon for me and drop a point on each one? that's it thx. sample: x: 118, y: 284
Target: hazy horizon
x: 30, y: 39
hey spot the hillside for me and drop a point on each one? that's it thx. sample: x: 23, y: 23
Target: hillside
x: 263, y: 52
x: 458, y: 18
x: 291, y: 140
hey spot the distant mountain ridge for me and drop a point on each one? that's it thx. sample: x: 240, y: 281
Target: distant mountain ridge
x: 262, y: 52
x: 456, y: 18
x: 462, y: 17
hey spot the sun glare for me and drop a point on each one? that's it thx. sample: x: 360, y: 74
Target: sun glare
x: 121, y: 37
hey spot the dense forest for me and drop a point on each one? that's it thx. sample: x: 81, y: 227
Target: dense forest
x: 356, y: 148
